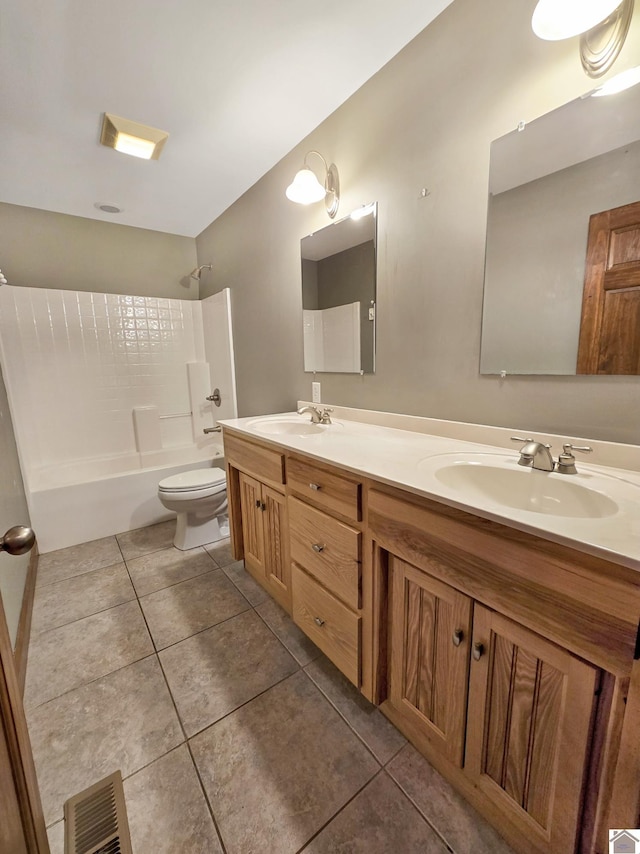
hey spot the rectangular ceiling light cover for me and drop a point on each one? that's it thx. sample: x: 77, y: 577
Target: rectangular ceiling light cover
x: 132, y: 137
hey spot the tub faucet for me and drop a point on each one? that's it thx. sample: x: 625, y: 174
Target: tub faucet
x: 534, y: 454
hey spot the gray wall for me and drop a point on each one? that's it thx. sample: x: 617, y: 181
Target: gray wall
x: 347, y: 277
x: 425, y: 120
x: 42, y: 249
x: 536, y: 249
x: 13, y: 511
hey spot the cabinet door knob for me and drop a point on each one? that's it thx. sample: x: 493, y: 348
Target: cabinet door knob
x: 458, y: 635
x: 315, y: 486
x: 478, y: 651
x: 318, y: 621
x: 258, y: 502
x: 317, y: 547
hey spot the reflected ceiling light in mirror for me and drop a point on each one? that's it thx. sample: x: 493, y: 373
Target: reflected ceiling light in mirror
x: 622, y: 81
x: 554, y: 20
x: 365, y: 210
x: 305, y: 189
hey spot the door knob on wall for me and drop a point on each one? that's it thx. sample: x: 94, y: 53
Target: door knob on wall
x: 18, y: 540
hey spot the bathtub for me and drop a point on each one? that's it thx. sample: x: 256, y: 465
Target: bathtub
x: 82, y: 501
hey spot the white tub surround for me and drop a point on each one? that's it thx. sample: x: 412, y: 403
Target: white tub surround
x: 104, y: 385
x: 69, y: 506
x: 397, y: 450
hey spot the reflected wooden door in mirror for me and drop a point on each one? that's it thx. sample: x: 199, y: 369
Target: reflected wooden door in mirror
x: 610, y: 324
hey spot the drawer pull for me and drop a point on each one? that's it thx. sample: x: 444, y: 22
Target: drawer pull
x: 317, y: 547
x: 315, y: 486
x: 318, y: 621
x: 458, y: 635
x: 478, y: 651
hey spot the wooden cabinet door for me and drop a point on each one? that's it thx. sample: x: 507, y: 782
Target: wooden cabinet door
x: 528, y: 730
x: 252, y: 525
x: 276, y: 546
x: 428, y: 678
x: 610, y: 325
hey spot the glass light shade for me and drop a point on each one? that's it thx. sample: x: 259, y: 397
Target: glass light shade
x: 622, y: 81
x: 305, y: 189
x: 554, y: 20
x: 134, y: 145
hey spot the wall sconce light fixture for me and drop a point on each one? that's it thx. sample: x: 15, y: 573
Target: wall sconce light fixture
x: 305, y: 189
x: 602, y: 24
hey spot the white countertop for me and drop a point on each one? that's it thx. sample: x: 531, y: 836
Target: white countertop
x: 405, y: 459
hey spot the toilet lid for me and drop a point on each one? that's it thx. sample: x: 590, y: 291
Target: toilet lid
x: 194, y: 479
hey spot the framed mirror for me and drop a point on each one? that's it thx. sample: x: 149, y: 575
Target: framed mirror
x: 562, y: 289
x: 339, y: 295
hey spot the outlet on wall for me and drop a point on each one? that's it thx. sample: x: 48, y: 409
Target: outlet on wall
x: 315, y: 393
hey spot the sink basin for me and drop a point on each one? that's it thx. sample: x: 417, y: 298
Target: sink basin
x: 293, y: 426
x: 484, y: 478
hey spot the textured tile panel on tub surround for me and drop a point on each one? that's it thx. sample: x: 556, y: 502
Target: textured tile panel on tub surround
x: 77, y: 363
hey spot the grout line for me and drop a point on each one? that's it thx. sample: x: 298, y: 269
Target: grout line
x: 31, y: 709
x: 337, y: 813
x: 335, y: 708
x: 242, y: 705
x: 36, y: 634
x: 206, y: 798
x: 425, y: 817
x: 44, y: 584
x: 172, y: 584
x: 200, y: 631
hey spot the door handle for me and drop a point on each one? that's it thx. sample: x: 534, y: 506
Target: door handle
x: 18, y: 540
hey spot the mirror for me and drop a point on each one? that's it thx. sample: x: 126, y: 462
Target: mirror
x: 547, y: 181
x: 339, y: 295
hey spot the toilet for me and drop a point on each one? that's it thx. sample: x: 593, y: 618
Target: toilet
x: 199, y: 497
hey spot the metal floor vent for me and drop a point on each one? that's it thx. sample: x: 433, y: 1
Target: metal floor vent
x: 96, y: 820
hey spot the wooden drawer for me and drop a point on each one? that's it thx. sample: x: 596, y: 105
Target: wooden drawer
x: 335, y: 493
x: 333, y: 627
x: 328, y: 549
x: 263, y: 463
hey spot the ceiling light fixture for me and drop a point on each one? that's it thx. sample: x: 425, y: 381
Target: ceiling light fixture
x: 132, y: 138
x: 305, y: 189
x: 624, y: 80
x: 554, y: 20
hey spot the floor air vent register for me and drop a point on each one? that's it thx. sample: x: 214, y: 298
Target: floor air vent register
x: 96, y: 819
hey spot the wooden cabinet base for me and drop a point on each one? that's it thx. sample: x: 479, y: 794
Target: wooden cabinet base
x: 510, y: 830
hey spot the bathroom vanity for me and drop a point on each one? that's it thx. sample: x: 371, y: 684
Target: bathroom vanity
x: 500, y: 644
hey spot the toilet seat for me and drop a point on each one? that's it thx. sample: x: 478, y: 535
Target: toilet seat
x: 202, y: 482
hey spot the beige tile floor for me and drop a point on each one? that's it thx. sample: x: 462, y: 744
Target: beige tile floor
x: 233, y: 733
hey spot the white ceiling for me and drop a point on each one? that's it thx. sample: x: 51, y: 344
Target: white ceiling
x: 236, y: 84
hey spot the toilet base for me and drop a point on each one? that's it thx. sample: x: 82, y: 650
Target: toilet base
x: 193, y: 530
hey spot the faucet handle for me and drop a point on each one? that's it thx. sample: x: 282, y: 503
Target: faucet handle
x: 566, y: 460
x: 520, y: 439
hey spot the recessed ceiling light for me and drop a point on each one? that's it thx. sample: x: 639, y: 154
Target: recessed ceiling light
x: 107, y: 208
x: 132, y: 138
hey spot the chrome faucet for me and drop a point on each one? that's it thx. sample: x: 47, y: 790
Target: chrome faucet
x: 317, y: 417
x: 534, y: 454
